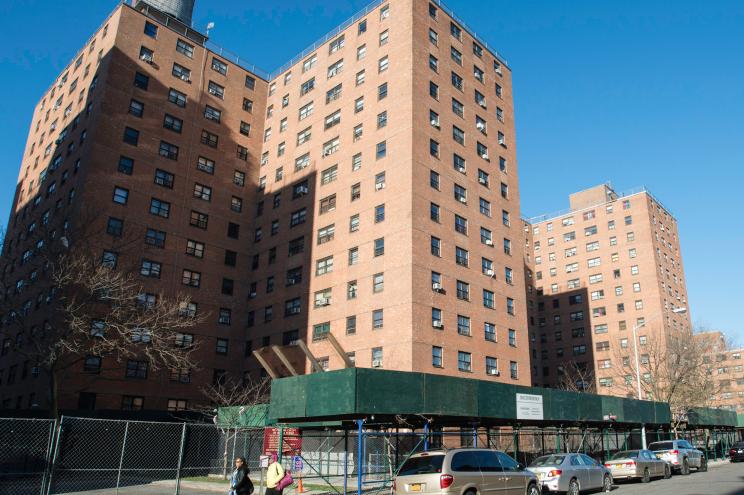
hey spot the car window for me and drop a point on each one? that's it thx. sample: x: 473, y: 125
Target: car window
x: 685, y: 444
x: 657, y: 446
x: 576, y: 461
x: 489, y: 461
x: 548, y: 460
x: 588, y: 460
x: 507, y: 463
x: 422, y: 465
x: 648, y: 455
x: 738, y: 445
x: 626, y: 454
x: 465, y: 461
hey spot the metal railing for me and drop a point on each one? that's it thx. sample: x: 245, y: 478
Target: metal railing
x: 568, y: 211
x: 330, y: 35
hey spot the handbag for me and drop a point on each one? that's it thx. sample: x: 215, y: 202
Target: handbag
x: 285, y: 481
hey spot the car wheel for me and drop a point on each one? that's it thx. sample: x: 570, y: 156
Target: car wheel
x: 573, y: 487
x: 646, y: 476
x: 667, y: 472
x: 685, y: 469
x: 607, y: 484
x: 703, y: 465
x: 532, y: 489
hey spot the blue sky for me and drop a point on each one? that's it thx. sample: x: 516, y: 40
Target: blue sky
x: 637, y: 93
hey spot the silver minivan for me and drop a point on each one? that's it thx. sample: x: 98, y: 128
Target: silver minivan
x: 464, y: 471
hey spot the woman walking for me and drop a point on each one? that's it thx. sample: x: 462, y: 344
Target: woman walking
x: 240, y: 483
x: 274, y: 475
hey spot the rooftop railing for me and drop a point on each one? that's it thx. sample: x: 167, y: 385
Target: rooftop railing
x: 568, y: 211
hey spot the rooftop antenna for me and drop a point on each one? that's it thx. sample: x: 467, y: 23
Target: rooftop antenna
x: 210, y: 25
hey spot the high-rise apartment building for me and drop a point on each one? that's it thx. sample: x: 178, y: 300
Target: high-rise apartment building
x: 366, y: 191
x: 610, y: 263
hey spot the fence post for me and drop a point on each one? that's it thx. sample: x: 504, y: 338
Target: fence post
x: 180, y: 460
x: 360, y: 448
x: 54, y: 456
x: 346, y: 459
x: 426, y: 436
x: 121, y: 457
x: 516, y: 444
x: 50, y: 446
x: 281, y: 444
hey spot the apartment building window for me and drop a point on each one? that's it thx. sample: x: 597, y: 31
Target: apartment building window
x: 198, y: 219
x: 463, y: 290
x: 436, y: 246
x: 219, y: 66
x: 357, y: 132
x: 121, y: 195
x: 308, y: 86
x: 177, y: 98
x: 195, y: 248
x: 433, y: 63
x: 434, y: 180
x: 379, y: 213
x: 434, y: 210
x: 464, y: 361
x: 216, y: 90
x: 304, y: 136
x: 211, y: 113
x: 489, y: 299
x: 461, y: 256
x: 433, y: 90
x: 377, y: 318
x: 159, y: 208
x: 382, y: 119
x: 115, y: 227
x: 328, y: 204
x: 185, y: 48
x: 191, y: 278
x: 378, y: 282
x: 461, y: 225
x: 150, y: 269
x: 172, y: 123
x: 136, y: 369
x: 326, y: 234
x: 141, y: 81
x: 131, y: 136
x: 136, y: 108
x: 463, y: 325
x: 383, y: 64
x: 181, y: 72
x: 479, y: 74
x: 169, y: 151
x: 505, y: 218
x: 381, y: 150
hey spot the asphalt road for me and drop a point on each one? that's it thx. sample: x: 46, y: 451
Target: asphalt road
x: 726, y: 479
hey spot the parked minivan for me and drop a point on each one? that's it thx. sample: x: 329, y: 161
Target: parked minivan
x: 464, y: 471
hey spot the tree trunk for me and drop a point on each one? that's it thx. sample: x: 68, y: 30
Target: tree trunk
x: 53, y: 392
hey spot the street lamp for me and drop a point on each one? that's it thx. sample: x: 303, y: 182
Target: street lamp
x: 678, y: 311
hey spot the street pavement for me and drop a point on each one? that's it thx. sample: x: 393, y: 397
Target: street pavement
x: 720, y: 479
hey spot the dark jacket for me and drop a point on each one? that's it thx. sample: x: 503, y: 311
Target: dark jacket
x: 243, y: 485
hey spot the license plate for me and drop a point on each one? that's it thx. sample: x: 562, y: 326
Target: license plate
x: 416, y: 487
x: 740, y: 451
x: 659, y: 456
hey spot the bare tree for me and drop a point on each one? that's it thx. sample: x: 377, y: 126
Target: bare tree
x: 232, y: 405
x: 89, y: 309
x: 577, y: 377
x: 674, y: 368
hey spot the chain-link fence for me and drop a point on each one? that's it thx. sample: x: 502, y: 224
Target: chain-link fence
x: 24, y: 454
x: 101, y: 457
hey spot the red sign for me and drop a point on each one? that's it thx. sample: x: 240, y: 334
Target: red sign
x: 291, y: 441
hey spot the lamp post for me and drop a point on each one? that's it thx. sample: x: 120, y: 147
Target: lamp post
x: 681, y: 310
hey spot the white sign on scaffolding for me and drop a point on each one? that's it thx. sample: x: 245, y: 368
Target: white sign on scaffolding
x: 529, y: 406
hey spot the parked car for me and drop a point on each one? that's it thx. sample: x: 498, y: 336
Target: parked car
x: 736, y: 452
x: 680, y: 455
x: 468, y: 471
x: 641, y: 464
x: 571, y: 473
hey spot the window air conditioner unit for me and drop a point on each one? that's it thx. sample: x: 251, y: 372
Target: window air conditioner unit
x: 324, y: 302
x: 380, y: 185
x: 252, y: 294
x: 484, y: 156
x: 494, y: 372
x: 489, y: 272
x: 462, y: 200
x: 435, y: 123
x: 185, y: 77
x: 436, y: 286
x: 483, y: 180
x: 326, y: 152
x: 437, y: 324
x: 481, y: 126
x: 482, y: 104
x: 489, y: 242
x: 377, y: 363
x: 302, y: 190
